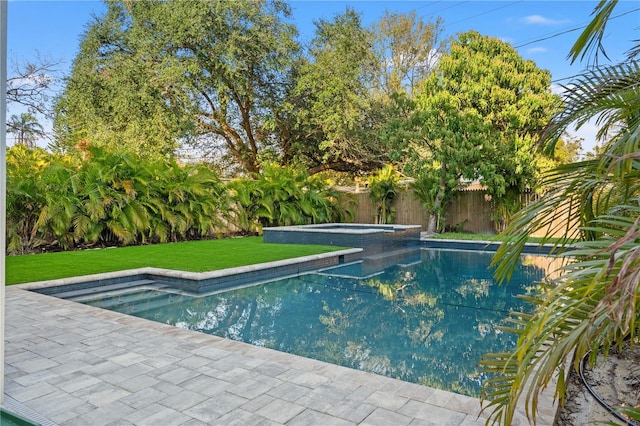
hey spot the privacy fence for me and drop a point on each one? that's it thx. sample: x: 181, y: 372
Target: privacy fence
x: 468, y: 211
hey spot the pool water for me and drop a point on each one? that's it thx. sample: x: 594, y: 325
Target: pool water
x: 427, y: 319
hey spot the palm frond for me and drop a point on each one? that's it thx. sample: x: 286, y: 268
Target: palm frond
x: 590, y: 40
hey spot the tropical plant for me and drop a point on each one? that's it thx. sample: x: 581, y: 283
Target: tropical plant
x: 383, y: 189
x: 594, y: 305
x: 110, y: 198
x: 26, y: 128
x: 282, y: 196
x: 25, y: 199
x: 426, y: 189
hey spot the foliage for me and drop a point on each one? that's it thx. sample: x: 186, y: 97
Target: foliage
x: 215, y: 71
x: 110, y: 198
x: 440, y: 143
x: 26, y: 169
x: 336, y: 95
x: 594, y: 305
x: 281, y: 196
x: 230, y: 81
x: 115, y: 94
x: 383, y: 189
x: 407, y: 50
x: 26, y: 128
x: 475, y: 117
x: 567, y: 150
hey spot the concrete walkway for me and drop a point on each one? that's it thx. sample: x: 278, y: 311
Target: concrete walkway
x: 73, y: 364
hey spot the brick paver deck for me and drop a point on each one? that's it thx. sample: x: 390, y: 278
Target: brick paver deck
x: 78, y: 365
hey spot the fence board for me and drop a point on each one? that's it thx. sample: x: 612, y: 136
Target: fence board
x: 470, y: 211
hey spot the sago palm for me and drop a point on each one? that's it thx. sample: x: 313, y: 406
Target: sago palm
x: 595, y: 304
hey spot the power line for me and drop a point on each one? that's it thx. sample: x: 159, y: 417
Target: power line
x: 444, y: 8
x: 485, y: 13
x: 429, y: 4
x: 580, y: 27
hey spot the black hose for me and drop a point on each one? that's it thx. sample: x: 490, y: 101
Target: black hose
x: 597, y: 397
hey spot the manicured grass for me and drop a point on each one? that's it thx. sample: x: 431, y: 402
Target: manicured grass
x: 194, y: 256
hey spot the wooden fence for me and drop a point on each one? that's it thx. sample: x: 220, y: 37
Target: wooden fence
x: 468, y: 211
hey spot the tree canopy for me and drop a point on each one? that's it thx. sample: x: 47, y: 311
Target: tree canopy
x: 408, y: 49
x: 476, y: 117
x: 231, y: 79
x: 217, y: 69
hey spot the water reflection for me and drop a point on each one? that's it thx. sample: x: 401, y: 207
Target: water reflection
x: 426, y: 322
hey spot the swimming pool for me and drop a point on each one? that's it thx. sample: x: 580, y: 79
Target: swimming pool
x: 427, y: 319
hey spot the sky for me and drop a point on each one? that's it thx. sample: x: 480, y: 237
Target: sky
x: 542, y: 31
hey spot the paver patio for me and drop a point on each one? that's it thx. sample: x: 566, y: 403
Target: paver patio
x: 72, y: 364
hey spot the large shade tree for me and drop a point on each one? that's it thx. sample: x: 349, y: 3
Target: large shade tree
x: 215, y: 71
x: 335, y: 96
x: 477, y: 116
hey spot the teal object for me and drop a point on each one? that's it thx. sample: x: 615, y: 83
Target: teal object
x: 8, y: 418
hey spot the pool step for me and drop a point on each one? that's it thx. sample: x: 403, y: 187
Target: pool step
x: 156, y: 302
x: 107, y: 299
x: 130, y: 303
x: 73, y: 294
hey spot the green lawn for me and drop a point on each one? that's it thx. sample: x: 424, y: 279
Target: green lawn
x: 194, y: 256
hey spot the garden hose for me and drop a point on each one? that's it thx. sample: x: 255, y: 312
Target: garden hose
x: 609, y: 408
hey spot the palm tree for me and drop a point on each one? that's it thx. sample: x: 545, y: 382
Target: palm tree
x: 26, y: 128
x: 383, y: 189
x: 595, y: 304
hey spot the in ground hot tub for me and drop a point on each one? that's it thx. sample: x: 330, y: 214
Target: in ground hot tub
x: 373, y: 239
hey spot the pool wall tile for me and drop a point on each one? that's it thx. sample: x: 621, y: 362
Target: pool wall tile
x: 529, y: 248
x: 373, y: 239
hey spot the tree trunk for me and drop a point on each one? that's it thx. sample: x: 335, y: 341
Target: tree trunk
x: 432, y: 225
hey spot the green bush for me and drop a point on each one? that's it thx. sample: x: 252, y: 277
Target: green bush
x: 281, y: 196
x: 383, y: 189
x: 110, y: 198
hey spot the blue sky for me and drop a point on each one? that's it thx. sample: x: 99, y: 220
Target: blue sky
x: 54, y: 28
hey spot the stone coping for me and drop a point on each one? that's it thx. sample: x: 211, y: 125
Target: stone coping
x: 185, y: 275
x: 481, y: 245
x: 345, y: 228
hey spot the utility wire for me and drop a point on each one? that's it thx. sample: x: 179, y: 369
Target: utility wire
x: 484, y: 13
x: 580, y: 27
x: 444, y: 8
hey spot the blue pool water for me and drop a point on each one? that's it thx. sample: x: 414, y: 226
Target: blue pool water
x: 426, y: 319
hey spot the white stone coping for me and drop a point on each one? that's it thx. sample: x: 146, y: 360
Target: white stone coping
x: 486, y: 243
x: 186, y: 275
x: 344, y: 228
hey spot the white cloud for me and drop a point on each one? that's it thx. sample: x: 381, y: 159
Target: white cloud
x: 541, y: 20
x: 538, y: 49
